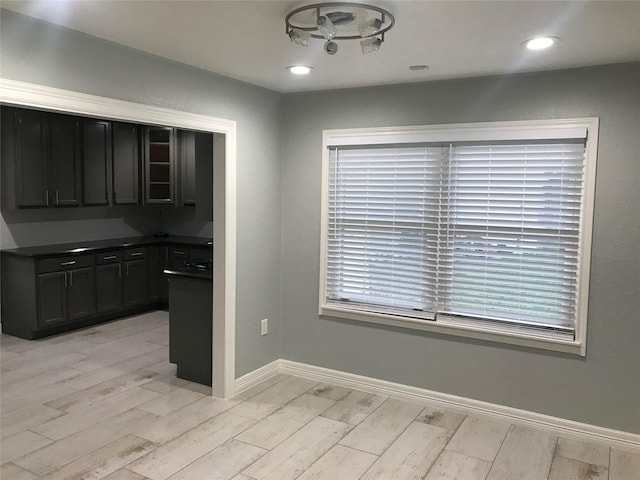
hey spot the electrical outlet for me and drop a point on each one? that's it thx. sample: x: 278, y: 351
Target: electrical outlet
x: 264, y: 326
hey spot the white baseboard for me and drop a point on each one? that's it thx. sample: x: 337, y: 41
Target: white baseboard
x: 566, y: 428
x: 257, y: 376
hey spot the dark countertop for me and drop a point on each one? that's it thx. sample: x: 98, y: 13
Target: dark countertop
x: 190, y: 272
x: 97, y: 245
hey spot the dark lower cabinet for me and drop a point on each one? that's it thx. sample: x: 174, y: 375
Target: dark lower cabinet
x: 80, y: 287
x: 109, y: 288
x: 65, y: 296
x: 52, y: 298
x: 46, y: 295
x: 135, y: 283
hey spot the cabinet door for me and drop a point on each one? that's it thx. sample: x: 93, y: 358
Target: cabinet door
x: 31, y: 158
x: 65, y: 181
x: 52, y: 298
x: 97, y: 161
x: 135, y: 283
x: 126, y: 163
x: 187, y: 182
x: 109, y: 288
x: 80, y: 293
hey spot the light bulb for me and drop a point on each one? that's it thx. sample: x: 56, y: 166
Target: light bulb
x: 299, y: 69
x: 540, y: 43
x: 299, y: 37
x: 369, y: 45
x: 326, y: 27
x: 370, y: 27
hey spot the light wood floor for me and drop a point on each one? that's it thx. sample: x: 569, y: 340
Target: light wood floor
x: 105, y: 403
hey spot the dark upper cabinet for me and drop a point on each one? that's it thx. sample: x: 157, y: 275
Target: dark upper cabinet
x: 96, y: 156
x: 204, y: 178
x: 45, y: 157
x: 187, y: 149
x: 65, y: 175
x: 159, y: 165
x: 31, y: 135
x: 195, y: 182
x: 126, y: 163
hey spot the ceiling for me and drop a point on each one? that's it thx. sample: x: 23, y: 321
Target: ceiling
x: 246, y: 39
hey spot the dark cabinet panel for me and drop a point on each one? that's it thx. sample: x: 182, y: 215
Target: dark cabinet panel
x: 31, y: 158
x: 80, y: 293
x: 96, y: 161
x: 126, y: 163
x: 165, y: 262
x: 135, y: 283
x: 155, y: 273
x: 65, y: 184
x: 109, y: 287
x: 52, y: 298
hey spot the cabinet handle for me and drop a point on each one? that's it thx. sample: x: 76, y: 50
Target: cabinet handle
x: 119, y: 271
x: 136, y: 254
x: 65, y: 279
x: 46, y: 193
x: 178, y: 252
x: 71, y: 279
x: 109, y: 257
x: 72, y: 262
x: 57, y: 200
x: 127, y: 269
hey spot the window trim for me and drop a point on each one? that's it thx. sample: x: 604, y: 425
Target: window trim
x: 509, y: 130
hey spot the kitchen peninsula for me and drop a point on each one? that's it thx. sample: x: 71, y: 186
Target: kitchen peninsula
x: 190, y: 320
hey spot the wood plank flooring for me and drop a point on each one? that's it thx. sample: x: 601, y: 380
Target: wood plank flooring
x: 104, y: 403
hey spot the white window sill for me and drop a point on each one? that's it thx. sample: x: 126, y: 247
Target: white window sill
x: 511, y: 338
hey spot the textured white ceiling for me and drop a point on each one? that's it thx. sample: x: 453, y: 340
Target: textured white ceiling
x: 246, y: 39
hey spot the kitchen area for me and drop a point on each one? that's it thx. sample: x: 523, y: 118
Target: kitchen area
x: 105, y: 219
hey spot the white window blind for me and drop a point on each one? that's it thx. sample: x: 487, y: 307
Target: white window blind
x: 383, y: 228
x: 481, y: 235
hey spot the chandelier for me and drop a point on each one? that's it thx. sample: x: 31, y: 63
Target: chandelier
x: 333, y: 21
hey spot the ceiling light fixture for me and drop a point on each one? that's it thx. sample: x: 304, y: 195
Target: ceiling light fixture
x: 540, y: 43
x: 333, y: 21
x: 300, y: 69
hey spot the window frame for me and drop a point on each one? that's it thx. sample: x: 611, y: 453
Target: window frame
x: 487, y: 131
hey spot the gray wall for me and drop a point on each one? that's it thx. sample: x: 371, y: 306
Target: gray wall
x: 601, y: 389
x: 41, y: 53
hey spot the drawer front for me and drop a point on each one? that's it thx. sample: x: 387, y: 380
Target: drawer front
x: 70, y: 262
x: 113, y: 256
x: 200, y: 254
x: 135, y: 253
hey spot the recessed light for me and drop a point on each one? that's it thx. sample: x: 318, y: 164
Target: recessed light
x: 418, y: 68
x: 540, y: 43
x: 300, y: 69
